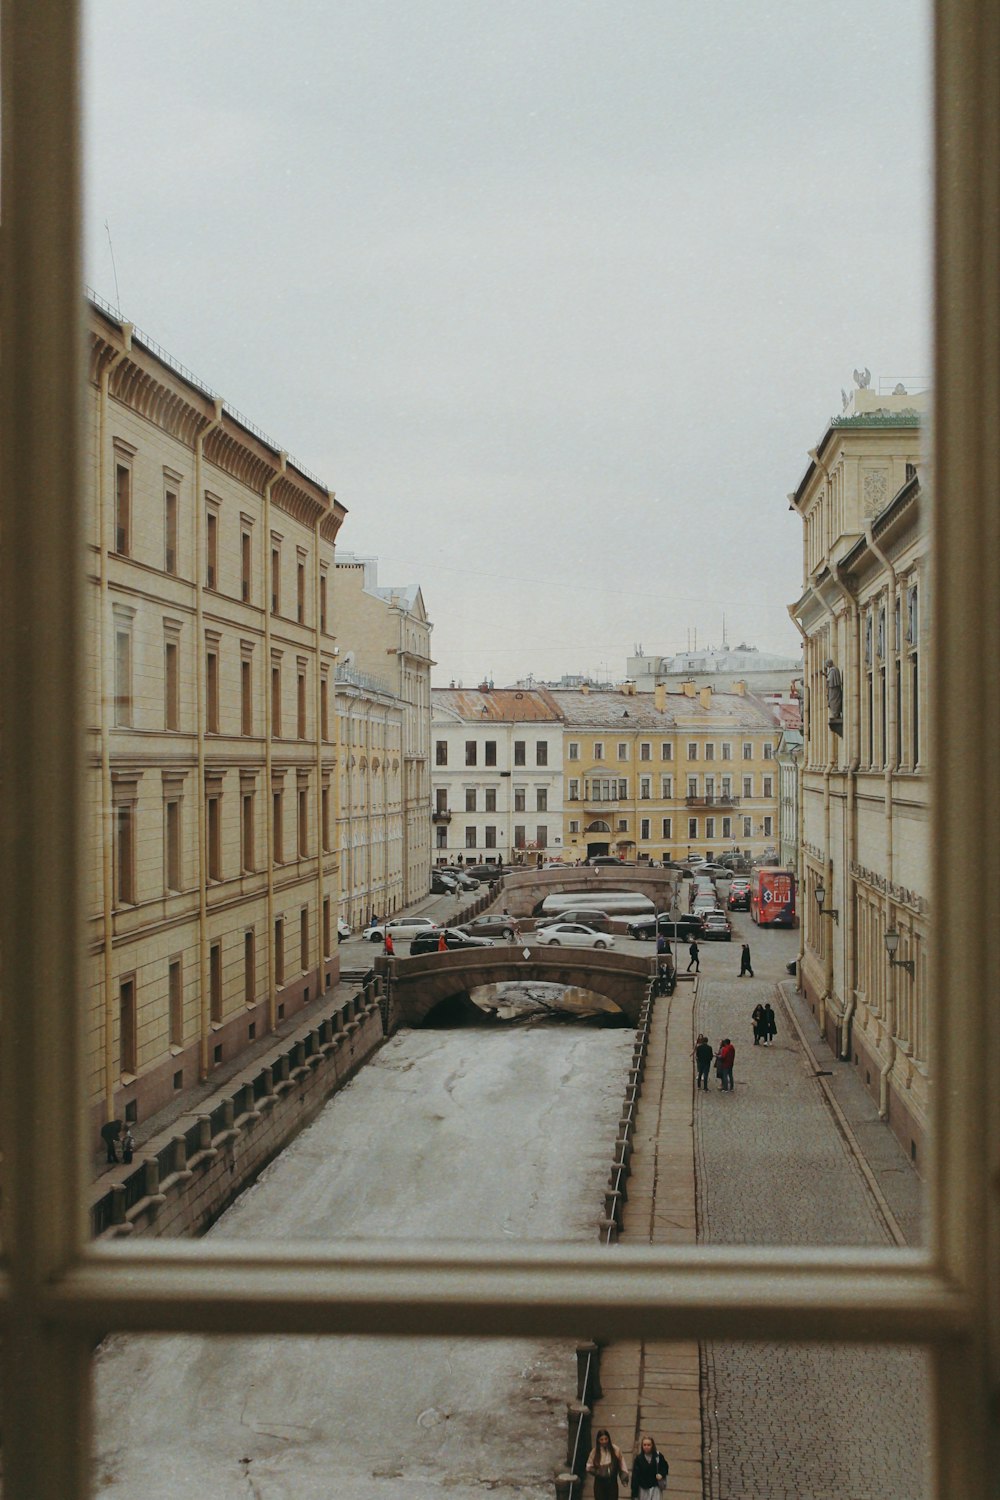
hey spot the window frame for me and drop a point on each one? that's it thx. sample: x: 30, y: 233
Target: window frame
x: 58, y: 1293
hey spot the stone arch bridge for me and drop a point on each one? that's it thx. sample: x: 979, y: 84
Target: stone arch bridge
x: 523, y: 889
x: 417, y: 985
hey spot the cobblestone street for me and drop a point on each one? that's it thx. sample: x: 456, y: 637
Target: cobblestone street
x: 796, y: 1422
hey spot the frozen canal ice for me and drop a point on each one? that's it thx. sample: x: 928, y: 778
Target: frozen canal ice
x: 493, y: 1135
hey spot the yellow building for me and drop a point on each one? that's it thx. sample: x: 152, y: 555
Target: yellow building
x: 654, y: 776
x: 211, y: 738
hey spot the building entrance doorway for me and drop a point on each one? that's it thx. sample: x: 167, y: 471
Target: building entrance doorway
x: 593, y: 849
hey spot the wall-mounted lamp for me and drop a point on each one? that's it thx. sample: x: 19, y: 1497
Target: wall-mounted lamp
x: 825, y: 911
x: 891, y: 945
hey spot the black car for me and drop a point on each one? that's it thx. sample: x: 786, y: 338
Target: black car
x: 430, y: 941
x: 739, y: 899
x: 678, y: 929
x: 484, y: 872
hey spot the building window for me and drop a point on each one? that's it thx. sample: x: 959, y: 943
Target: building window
x: 324, y: 706
x: 276, y: 700
x: 574, y: 825
x: 727, y: 750
x: 300, y: 705
x: 622, y: 787
x: 175, y: 1001
x: 470, y: 799
x: 246, y: 565
x: 215, y: 982
x: 279, y: 951
x: 277, y: 826
x: 768, y: 750
x: 727, y: 828
x: 519, y: 796
x: 666, y: 786
x: 748, y: 750
x: 491, y: 836
x: 668, y: 828
x: 170, y: 531
x: 645, y: 750
x: 541, y: 799
x: 709, y: 750
x: 470, y: 837
x: 441, y: 752
x: 666, y: 750
x: 542, y: 836
x: 645, y: 788
x: 125, y: 818
x: 768, y: 786
x: 519, y: 748
x: 768, y: 827
x: 128, y: 1028
x: 442, y: 838
x: 304, y: 938
x: 490, y: 753
x: 748, y: 786
x: 303, y: 823
x: 246, y: 696
x: 710, y: 828
x: 622, y: 750
x: 249, y: 967
x: 491, y: 799
x: 692, y: 790
x: 300, y: 592
x: 727, y: 788
x: 747, y: 827
x: 212, y: 691
x: 692, y: 828
x: 441, y: 799
x: 470, y: 752
x: 327, y: 928
x: 622, y: 825
x: 211, y: 549
x: 322, y: 601
x: 324, y: 803
x: 644, y: 829
x: 572, y: 750
x: 520, y: 836
x: 123, y: 677
x: 598, y: 750
x: 541, y: 752
x: 692, y: 750
x: 247, y: 831
x: 275, y: 580
x: 213, y: 820
x: 172, y: 843
x: 123, y: 510
x: 171, y: 685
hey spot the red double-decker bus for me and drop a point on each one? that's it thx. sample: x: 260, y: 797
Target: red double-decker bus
x: 772, y: 897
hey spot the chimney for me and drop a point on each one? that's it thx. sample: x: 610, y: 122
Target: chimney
x: 628, y: 688
x: 741, y: 688
x: 584, y: 687
x: 687, y: 688
x: 660, y: 697
x: 705, y: 694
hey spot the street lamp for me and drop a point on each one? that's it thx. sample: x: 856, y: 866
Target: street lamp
x: 825, y: 911
x: 891, y: 945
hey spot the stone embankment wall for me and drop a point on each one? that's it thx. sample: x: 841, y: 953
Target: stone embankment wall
x: 192, y: 1172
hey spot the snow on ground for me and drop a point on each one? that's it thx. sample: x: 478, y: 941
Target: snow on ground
x: 492, y: 1135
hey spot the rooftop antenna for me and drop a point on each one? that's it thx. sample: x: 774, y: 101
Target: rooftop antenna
x: 114, y: 269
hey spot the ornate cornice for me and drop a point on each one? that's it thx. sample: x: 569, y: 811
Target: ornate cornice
x: 901, y: 894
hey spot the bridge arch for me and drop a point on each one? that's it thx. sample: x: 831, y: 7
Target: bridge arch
x: 523, y: 889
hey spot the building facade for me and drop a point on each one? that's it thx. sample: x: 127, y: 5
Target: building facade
x: 371, y: 724
x: 864, y: 775
x: 211, y: 744
x: 385, y: 634
x: 767, y: 676
x: 497, y: 775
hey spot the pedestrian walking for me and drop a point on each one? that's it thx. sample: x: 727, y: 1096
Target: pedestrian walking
x: 661, y: 944
x: 745, y: 966
x: 770, y: 1025
x: 607, y: 1464
x: 694, y: 962
x: 724, y: 1060
x: 127, y: 1144
x: 442, y: 943
x: 703, y: 1054
x: 757, y: 1016
x: 649, y: 1471
x: 109, y: 1135
x: 390, y: 951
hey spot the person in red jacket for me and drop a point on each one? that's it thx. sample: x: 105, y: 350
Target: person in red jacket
x: 389, y: 949
x: 724, y: 1060
x: 442, y: 944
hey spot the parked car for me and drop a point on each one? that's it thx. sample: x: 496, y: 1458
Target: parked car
x: 573, y: 935
x: 463, y: 881
x: 490, y: 924
x: 677, y: 929
x: 343, y: 930
x: 484, y: 872
x: 400, y: 927
x: 717, y: 871
x: 607, y: 859
x: 430, y: 941
x: 739, y: 898
x: 442, y: 885
x: 596, y: 919
x: 717, y: 928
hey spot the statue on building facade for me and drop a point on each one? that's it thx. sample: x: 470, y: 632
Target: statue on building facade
x: 834, y: 689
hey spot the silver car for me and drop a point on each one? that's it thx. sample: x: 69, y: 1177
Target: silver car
x: 573, y: 935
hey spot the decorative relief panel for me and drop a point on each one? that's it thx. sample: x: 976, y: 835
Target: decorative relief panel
x: 874, y: 490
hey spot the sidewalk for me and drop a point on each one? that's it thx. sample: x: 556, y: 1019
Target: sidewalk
x: 654, y: 1388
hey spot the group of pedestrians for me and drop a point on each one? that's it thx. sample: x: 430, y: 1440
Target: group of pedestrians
x: 765, y: 1029
x: 764, y: 1026
x: 647, y: 1480
x: 119, y: 1140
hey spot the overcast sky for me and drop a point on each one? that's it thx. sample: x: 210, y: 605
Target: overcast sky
x: 554, y: 294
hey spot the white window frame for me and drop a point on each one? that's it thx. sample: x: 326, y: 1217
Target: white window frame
x: 59, y: 1294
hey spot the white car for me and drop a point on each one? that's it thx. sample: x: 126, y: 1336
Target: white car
x: 573, y: 935
x: 343, y: 930
x: 400, y: 927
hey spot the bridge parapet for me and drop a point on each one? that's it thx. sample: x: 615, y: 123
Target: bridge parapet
x: 523, y: 889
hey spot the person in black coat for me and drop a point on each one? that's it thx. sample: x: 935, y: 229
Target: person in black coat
x: 770, y: 1026
x: 649, y: 1467
x: 745, y: 965
x: 109, y: 1135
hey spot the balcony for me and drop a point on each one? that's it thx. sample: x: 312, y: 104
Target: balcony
x: 441, y: 815
x: 711, y: 801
